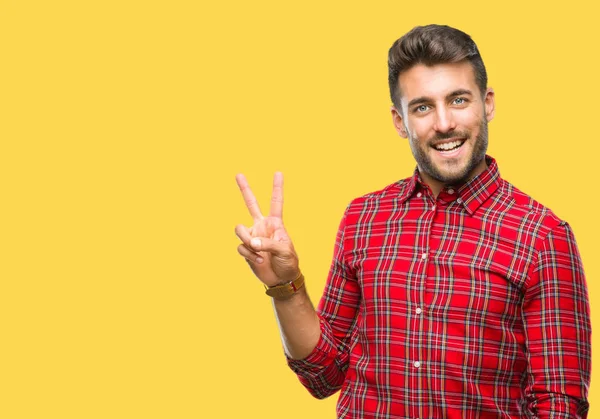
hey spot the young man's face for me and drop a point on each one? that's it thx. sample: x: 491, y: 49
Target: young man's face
x: 445, y: 118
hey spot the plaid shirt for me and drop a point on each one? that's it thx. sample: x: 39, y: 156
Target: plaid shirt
x: 471, y: 305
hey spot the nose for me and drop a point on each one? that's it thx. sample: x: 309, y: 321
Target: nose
x: 444, y: 120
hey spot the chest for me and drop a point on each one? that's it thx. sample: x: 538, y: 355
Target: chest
x: 440, y: 257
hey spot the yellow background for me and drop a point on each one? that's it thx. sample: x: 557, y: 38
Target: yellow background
x: 122, y: 126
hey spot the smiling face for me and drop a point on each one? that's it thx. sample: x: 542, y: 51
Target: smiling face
x: 444, y: 116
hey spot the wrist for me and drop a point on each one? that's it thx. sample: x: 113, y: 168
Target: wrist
x: 286, y: 289
x: 287, y: 279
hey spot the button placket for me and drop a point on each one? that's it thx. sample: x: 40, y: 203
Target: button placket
x: 417, y: 322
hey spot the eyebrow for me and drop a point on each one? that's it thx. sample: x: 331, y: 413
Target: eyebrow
x: 425, y: 99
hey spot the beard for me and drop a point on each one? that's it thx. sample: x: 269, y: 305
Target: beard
x: 456, y: 176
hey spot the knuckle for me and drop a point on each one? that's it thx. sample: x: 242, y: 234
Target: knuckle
x: 285, y: 253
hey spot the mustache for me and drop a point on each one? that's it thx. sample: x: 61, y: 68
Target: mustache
x: 447, y: 135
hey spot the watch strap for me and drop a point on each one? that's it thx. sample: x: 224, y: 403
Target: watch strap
x: 286, y: 290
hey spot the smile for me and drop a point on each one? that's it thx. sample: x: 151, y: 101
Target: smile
x: 451, y: 147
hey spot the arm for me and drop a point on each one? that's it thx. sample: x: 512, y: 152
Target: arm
x: 556, y: 317
x: 316, y: 345
x: 323, y: 371
x: 269, y: 251
x: 298, y: 324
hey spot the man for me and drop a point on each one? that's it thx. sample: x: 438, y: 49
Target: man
x: 451, y: 293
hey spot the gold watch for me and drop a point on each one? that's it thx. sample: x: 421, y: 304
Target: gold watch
x: 286, y: 290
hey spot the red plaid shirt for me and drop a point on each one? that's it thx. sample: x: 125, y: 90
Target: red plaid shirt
x: 471, y: 305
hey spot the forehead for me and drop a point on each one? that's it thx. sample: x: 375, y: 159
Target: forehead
x: 436, y: 81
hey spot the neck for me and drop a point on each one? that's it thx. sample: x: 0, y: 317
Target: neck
x: 436, y: 185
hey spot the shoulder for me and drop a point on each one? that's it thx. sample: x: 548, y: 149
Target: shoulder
x: 377, y: 204
x: 533, y: 215
x: 381, y: 196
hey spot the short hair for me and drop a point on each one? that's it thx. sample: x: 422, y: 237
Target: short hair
x: 431, y: 45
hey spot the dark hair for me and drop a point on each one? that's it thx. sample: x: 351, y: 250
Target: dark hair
x: 431, y: 45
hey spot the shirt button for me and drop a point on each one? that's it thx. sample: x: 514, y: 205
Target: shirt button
x: 450, y: 191
x: 433, y: 208
x: 424, y: 256
x: 417, y: 364
x: 418, y: 310
x: 459, y: 201
x: 419, y: 195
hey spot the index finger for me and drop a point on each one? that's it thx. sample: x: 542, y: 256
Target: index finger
x: 249, y: 198
x: 277, y: 196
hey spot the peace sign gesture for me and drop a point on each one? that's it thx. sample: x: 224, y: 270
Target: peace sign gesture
x: 266, y: 245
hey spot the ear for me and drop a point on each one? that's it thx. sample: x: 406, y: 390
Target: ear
x: 398, y: 122
x: 490, y: 104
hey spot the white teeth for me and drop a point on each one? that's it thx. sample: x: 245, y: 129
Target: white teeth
x: 448, y: 146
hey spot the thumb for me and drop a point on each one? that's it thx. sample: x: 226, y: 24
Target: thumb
x: 269, y: 245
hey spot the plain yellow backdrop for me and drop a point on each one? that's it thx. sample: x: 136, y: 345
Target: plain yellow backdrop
x: 123, y: 124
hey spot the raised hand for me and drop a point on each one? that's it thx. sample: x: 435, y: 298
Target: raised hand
x: 266, y: 245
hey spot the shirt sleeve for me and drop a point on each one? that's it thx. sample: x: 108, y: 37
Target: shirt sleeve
x: 323, y: 371
x: 556, y: 317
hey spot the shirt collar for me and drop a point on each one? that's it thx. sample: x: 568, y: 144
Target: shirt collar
x: 471, y: 194
x: 476, y: 191
x: 408, y: 186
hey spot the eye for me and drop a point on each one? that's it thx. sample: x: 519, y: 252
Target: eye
x: 421, y: 108
x: 459, y: 101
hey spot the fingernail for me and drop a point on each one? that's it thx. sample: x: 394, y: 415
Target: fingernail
x: 259, y: 260
x: 255, y: 243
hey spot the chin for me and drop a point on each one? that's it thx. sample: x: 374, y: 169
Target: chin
x: 455, y: 179
x: 456, y: 175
